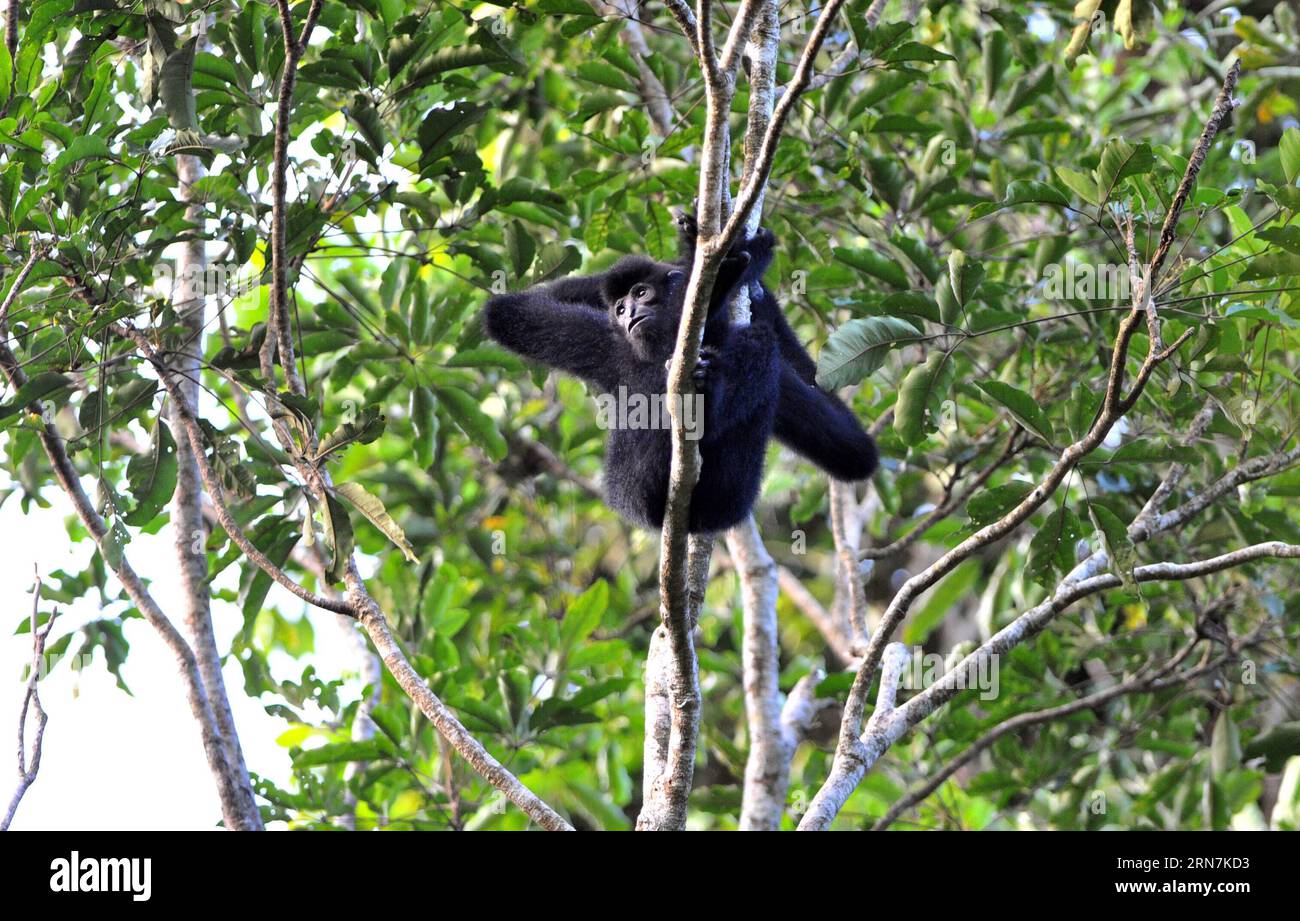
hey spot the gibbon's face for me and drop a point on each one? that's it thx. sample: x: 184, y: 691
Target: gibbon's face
x: 645, y: 305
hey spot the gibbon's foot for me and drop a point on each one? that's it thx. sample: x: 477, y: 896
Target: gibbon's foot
x: 733, y: 267
x: 687, y: 224
x: 701, y: 373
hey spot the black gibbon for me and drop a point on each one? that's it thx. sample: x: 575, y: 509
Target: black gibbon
x: 616, y: 330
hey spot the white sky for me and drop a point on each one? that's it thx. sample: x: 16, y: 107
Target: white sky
x: 111, y: 760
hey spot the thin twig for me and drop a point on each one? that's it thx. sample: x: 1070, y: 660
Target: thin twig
x: 27, y: 770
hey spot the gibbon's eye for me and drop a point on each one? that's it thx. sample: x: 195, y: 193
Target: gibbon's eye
x: 640, y: 291
x: 620, y: 309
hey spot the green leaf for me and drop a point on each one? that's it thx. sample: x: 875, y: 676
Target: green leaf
x: 606, y: 75
x: 176, y: 87
x: 1030, y: 87
x: 963, y: 276
x: 1022, y: 406
x: 911, y: 303
x: 485, y: 356
x: 1287, y: 237
x: 435, y: 602
x: 1119, y: 160
x: 896, y: 123
x: 988, y: 506
x: 521, y: 247
x: 925, y: 386
x: 1272, y: 265
x: 126, y: 398
x: 374, y: 511
x: 996, y: 58
x: 1052, y: 548
x: 1119, y: 548
x: 1144, y: 452
x: 425, y: 420
x: 368, y: 426
x: 83, y: 147
x: 338, y: 530
x: 1287, y: 196
x: 478, y: 425
x: 112, y: 545
x: 219, y: 69
x: 1036, y: 128
x: 1289, y: 150
x: 858, y: 348
x: 1081, y: 184
x: 874, y: 264
x: 594, y: 104
x: 915, y: 51
x: 1275, y: 745
x: 6, y: 74
x: 942, y: 600
x: 441, y: 125
x: 1022, y: 192
x: 880, y: 39
x: 151, y: 478
x: 575, y: 711
x: 553, y: 260
x: 275, y: 537
x: 42, y: 385
x: 950, y: 309
x: 584, y: 613
x: 374, y: 749
x: 443, y: 60
x: 1225, y: 745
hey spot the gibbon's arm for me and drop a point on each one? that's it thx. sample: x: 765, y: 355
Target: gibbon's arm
x: 817, y: 425
x: 809, y: 420
x: 765, y: 310
x: 580, y: 289
x: 561, y: 334
x: 763, y: 306
x: 740, y: 380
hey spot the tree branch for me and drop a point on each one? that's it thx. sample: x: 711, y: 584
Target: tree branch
x: 652, y: 89
x: 469, y: 748
x: 666, y: 792
x: 667, y: 802
x: 1085, y: 579
x: 214, y: 746
x: 358, y: 604
x: 1113, y: 407
x: 681, y: 12
x: 767, y: 768
x: 739, y: 35
x: 754, y: 183
x: 11, y: 31
x: 187, y: 525
x: 279, y: 334
x: 1223, y: 105
x: 673, y: 702
x: 1144, y: 681
x: 846, y: 530
x: 813, y: 609
x: 27, y: 771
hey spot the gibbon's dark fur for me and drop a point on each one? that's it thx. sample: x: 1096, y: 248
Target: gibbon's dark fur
x: 628, y: 346
x: 809, y: 421
x: 618, y: 328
